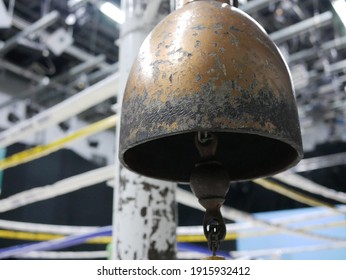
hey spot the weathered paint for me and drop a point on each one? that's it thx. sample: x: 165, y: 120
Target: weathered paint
x: 144, y: 216
x: 209, y: 67
x: 147, y: 218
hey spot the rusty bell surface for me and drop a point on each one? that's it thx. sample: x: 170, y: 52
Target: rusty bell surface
x: 209, y: 67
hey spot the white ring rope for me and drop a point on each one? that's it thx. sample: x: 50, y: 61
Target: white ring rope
x: 53, y: 255
x: 189, y: 199
x: 45, y: 228
x: 105, y: 173
x: 54, y: 244
x: 187, y: 255
x: 191, y: 255
x: 64, y: 186
x: 181, y: 230
x: 305, y: 184
x: 196, y: 230
x: 67, y: 230
x: 301, y: 217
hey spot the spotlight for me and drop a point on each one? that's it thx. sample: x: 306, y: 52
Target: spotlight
x: 93, y: 143
x: 13, y: 118
x: 64, y: 126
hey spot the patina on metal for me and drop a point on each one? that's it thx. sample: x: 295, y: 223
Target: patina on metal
x: 209, y: 69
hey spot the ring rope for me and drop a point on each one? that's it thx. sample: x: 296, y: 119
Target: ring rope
x: 44, y: 150
x: 62, y: 187
x: 30, y: 236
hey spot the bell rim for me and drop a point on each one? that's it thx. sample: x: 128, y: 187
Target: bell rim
x: 298, y: 149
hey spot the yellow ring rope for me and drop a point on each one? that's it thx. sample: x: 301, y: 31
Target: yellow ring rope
x: 40, y: 151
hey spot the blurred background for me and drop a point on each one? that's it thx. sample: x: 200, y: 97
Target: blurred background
x: 52, y: 50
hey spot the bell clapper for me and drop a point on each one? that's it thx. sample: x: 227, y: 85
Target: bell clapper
x: 209, y: 181
x: 214, y: 230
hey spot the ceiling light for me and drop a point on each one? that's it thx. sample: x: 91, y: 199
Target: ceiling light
x: 71, y: 19
x: 340, y: 8
x: 113, y: 12
x: 5, y: 18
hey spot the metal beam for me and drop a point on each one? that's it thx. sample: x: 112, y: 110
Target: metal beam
x: 151, y: 11
x: 338, y: 43
x: 41, y: 24
x: 83, y: 55
x: 20, y: 71
x: 53, y: 83
x: 256, y: 5
x: 338, y: 66
x: 335, y: 67
x: 102, y: 73
x: 72, y: 106
x: 302, y: 27
x: 80, y: 68
x: 70, y: 50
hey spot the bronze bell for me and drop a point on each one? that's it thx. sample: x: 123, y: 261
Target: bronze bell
x: 210, y: 100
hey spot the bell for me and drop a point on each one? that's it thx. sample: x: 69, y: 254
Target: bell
x: 209, y: 100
